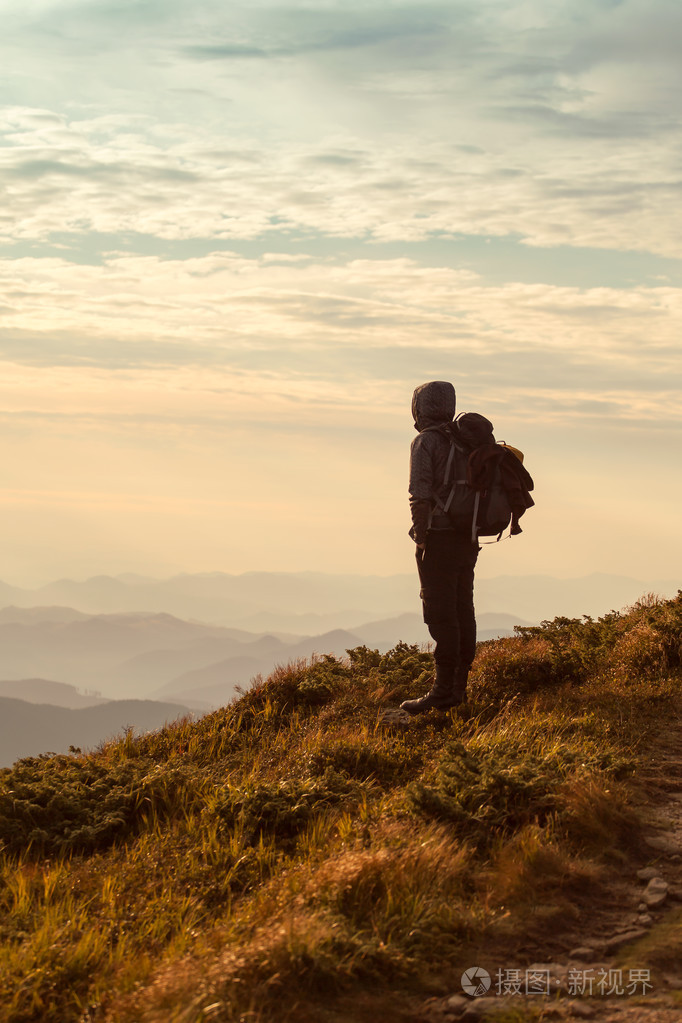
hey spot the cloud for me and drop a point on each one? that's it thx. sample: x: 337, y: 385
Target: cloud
x: 225, y: 338
x: 174, y: 183
x: 376, y: 121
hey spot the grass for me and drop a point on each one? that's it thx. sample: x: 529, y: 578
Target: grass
x: 246, y: 865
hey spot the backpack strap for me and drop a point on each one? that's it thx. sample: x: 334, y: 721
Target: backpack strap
x: 474, y: 520
x: 454, y: 446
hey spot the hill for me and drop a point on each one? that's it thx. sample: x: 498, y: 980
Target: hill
x: 118, y: 654
x: 30, y: 729
x: 300, y: 855
x: 43, y: 690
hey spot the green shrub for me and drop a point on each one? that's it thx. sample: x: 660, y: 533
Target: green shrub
x: 393, y: 676
x: 298, y: 686
x: 486, y: 792
x: 279, y: 810
x: 642, y: 641
x: 505, y: 668
x: 385, y: 760
x: 62, y: 804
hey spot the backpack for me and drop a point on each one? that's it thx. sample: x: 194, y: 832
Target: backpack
x: 485, y: 486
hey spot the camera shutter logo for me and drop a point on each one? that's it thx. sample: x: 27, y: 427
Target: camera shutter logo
x: 475, y: 981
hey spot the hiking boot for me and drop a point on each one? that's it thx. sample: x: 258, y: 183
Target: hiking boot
x: 439, y: 697
x: 459, y: 686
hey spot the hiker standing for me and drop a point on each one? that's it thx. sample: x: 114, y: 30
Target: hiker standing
x: 463, y: 485
x: 446, y: 556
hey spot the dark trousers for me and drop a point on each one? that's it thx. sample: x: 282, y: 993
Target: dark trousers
x: 446, y: 574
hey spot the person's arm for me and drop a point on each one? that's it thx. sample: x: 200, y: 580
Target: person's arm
x: 421, y: 487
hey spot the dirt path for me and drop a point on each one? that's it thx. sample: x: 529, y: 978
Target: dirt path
x: 627, y: 967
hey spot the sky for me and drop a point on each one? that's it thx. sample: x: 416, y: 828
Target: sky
x: 235, y: 237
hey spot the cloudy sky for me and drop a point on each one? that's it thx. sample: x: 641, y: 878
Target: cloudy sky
x: 234, y: 238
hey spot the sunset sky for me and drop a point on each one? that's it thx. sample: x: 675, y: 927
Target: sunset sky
x: 235, y: 237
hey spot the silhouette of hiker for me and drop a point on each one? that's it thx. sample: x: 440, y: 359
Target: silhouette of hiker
x: 446, y: 555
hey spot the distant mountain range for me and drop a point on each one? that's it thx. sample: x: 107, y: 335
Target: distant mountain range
x: 28, y: 729
x: 42, y: 690
x: 305, y: 603
x: 158, y: 656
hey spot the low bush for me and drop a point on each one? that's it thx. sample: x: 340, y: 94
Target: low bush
x: 298, y: 686
x: 62, y: 804
x: 278, y: 810
x: 486, y: 793
x: 644, y: 640
x: 386, y: 759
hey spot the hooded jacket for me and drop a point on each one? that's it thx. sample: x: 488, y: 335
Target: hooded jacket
x: 433, y: 404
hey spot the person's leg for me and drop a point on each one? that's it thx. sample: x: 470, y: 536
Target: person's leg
x: 438, y: 594
x: 466, y: 621
x: 446, y: 636
x: 446, y: 573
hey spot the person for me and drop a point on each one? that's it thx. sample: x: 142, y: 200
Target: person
x: 446, y: 554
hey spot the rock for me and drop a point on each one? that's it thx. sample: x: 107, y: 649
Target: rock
x: 457, y: 1003
x: 558, y: 975
x: 618, y: 940
x: 642, y: 908
x: 657, y: 884
x: 581, y: 1009
x: 675, y: 983
x: 656, y: 899
x: 394, y: 716
x: 645, y: 920
x: 656, y: 892
x: 675, y: 892
x: 478, y: 1007
x: 676, y: 858
x: 646, y: 873
x: 584, y: 953
x: 665, y: 843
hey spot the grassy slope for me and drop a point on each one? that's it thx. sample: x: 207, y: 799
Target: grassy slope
x: 289, y: 844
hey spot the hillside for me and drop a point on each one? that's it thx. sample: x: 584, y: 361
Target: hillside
x: 302, y: 856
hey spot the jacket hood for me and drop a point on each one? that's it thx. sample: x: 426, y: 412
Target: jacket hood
x: 433, y: 403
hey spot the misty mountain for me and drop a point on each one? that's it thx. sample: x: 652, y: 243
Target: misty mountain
x: 215, y: 684
x: 210, y: 685
x: 27, y: 729
x: 222, y: 597
x: 42, y: 690
x: 305, y: 602
x: 27, y: 615
x: 90, y: 650
x: 410, y: 628
x: 154, y: 667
